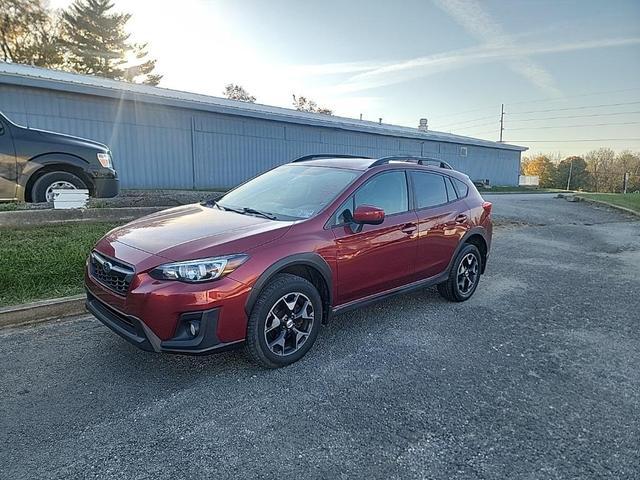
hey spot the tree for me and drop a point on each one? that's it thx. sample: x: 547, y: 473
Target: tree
x: 304, y: 104
x: 98, y: 43
x: 629, y: 162
x: 142, y: 70
x: 29, y: 33
x: 601, y: 164
x: 236, y: 92
x: 577, y: 168
x: 541, y: 166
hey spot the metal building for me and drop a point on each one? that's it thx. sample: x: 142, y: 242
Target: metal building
x: 164, y: 138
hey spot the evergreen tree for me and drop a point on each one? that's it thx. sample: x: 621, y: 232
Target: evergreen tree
x: 236, y: 92
x: 29, y: 33
x: 98, y: 43
x: 577, y: 168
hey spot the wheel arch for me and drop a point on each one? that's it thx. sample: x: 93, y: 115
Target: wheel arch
x: 38, y: 166
x: 310, y: 266
x: 480, y: 243
x: 475, y: 236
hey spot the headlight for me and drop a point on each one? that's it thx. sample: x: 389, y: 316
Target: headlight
x: 105, y: 160
x: 203, y: 270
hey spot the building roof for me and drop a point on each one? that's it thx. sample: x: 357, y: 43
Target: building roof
x: 27, y: 75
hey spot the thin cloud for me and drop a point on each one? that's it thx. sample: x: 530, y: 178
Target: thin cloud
x: 332, y: 68
x: 479, y: 23
x: 392, y: 73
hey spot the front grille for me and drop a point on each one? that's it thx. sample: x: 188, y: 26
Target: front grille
x: 111, y: 273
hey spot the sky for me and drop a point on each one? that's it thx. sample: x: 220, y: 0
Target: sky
x: 567, y: 71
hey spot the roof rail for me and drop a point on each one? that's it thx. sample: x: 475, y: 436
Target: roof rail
x: 326, y: 155
x: 412, y: 159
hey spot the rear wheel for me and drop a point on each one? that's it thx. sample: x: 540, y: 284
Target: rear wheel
x: 464, y: 275
x: 284, y: 322
x: 42, y: 190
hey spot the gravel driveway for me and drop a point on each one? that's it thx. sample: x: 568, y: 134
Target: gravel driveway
x: 536, y: 377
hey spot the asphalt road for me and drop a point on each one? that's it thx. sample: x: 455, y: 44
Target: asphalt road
x: 536, y: 377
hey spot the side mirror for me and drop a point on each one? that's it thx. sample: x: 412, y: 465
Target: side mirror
x: 368, y: 215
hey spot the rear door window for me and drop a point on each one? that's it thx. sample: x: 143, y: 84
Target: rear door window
x: 430, y: 189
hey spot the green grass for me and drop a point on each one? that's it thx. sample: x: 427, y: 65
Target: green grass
x: 8, y: 206
x: 518, y: 189
x: 627, y: 200
x: 45, y: 262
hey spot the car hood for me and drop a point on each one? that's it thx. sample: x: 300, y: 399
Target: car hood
x: 62, y: 139
x: 195, y: 231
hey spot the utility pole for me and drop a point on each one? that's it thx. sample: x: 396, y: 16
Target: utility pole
x: 501, y: 122
x: 626, y: 182
x: 570, y: 170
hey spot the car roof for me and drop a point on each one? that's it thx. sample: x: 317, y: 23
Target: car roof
x: 364, y: 163
x: 351, y: 163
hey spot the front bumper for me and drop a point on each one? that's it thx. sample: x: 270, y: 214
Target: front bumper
x: 104, y: 187
x: 136, y: 332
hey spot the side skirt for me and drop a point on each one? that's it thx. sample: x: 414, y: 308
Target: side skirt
x: 378, y: 297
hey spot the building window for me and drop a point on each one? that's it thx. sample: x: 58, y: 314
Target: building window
x: 463, y: 151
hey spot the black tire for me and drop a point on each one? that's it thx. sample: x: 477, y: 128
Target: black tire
x: 451, y: 289
x: 281, y: 286
x: 42, y: 184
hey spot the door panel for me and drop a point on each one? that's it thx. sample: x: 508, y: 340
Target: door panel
x: 439, y: 234
x: 378, y: 258
x: 8, y: 173
x: 441, y: 222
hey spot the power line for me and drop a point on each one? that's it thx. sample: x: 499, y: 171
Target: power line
x: 466, y: 121
x: 575, y: 126
x: 577, y: 140
x: 577, y: 116
x: 480, y: 125
x: 592, y: 94
x: 540, y: 100
x: 576, y: 108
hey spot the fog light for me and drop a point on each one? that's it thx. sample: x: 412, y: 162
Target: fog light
x: 194, y: 328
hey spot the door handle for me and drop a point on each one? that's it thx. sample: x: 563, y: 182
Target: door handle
x: 409, y: 228
x: 461, y: 218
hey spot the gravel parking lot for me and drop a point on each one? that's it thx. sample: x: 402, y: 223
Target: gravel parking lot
x: 536, y: 377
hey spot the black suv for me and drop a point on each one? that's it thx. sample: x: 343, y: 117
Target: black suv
x: 34, y: 162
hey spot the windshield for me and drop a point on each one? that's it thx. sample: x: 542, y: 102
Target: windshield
x: 290, y: 192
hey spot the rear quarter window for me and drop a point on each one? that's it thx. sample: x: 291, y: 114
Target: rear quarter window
x: 461, y: 187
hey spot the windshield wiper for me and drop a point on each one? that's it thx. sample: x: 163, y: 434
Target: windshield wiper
x: 214, y: 203
x: 243, y: 211
x: 253, y: 211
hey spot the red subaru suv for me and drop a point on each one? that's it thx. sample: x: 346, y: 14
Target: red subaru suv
x: 270, y: 261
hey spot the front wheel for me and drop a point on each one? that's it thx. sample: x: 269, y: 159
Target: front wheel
x: 45, y: 185
x: 464, y: 275
x: 284, y: 322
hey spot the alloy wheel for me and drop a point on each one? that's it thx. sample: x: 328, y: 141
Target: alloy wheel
x: 59, y: 185
x: 289, y: 323
x: 468, y: 273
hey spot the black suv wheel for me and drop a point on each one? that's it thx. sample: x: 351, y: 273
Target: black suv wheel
x: 43, y: 187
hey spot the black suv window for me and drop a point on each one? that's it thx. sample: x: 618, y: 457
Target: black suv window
x: 387, y: 191
x: 430, y: 189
